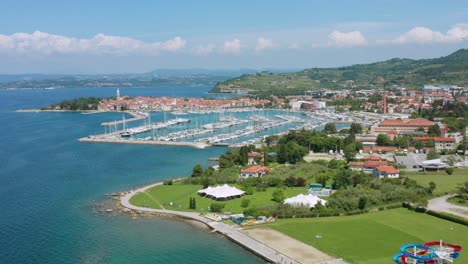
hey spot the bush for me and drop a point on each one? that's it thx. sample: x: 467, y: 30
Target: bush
x: 168, y: 182
x: 278, y: 196
x: 245, y: 203
x: 449, y: 171
x: 216, y: 207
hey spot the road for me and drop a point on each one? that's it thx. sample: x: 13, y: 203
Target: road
x: 440, y: 204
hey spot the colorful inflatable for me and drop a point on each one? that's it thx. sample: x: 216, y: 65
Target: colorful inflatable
x: 434, y: 252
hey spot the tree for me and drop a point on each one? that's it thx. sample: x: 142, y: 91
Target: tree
x: 342, y: 179
x: 350, y: 152
x: 300, y: 182
x: 245, y: 203
x: 383, y: 140
x: 431, y: 187
x: 432, y: 154
x: 449, y: 171
x: 434, y: 130
x: 330, y: 128
x: 418, y: 144
x: 451, y: 160
x: 322, y: 179
x: 216, y: 207
x: 197, y: 170
x: 278, y: 196
x: 355, y: 128
x: 362, y: 203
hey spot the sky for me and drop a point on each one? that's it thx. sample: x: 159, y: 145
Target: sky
x: 67, y: 37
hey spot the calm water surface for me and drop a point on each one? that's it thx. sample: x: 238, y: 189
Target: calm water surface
x: 49, y: 182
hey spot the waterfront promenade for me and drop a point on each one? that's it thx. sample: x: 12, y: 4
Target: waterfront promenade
x: 232, y: 232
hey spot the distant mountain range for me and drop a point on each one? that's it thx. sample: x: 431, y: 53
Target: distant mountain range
x: 451, y: 69
x: 159, y: 77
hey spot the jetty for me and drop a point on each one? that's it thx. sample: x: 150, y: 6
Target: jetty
x: 115, y: 140
x: 136, y: 116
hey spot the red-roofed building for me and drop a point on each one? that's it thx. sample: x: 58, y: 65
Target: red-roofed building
x: 254, y: 171
x: 393, y: 127
x: 355, y: 165
x: 386, y: 172
x: 369, y: 166
x: 255, y: 158
x: 439, y: 142
x: 372, y: 158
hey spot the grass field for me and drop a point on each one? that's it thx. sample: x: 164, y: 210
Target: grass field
x: 444, y: 183
x: 458, y: 201
x: 374, y: 237
x: 179, y: 194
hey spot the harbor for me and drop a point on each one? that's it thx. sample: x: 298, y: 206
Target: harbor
x: 201, y: 129
x: 213, y: 127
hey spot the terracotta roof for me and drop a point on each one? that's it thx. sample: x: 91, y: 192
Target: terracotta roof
x: 256, y: 169
x: 435, y: 139
x: 373, y: 164
x: 372, y: 157
x: 388, y: 169
x: 406, y: 122
x: 255, y: 154
x: 355, y: 164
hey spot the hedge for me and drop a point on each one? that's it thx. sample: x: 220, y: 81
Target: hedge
x: 449, y: 217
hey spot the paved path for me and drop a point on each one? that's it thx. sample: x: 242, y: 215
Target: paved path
x: 231, y: 232
x: 440, y: 204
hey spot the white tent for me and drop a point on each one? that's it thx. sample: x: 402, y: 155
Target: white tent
x: 305, y: 200
x: 434, y: 161
x: 221, y: 192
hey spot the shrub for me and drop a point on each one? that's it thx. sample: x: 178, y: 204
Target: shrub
x: 216, y: 207
x: 168, y: 182
x: 449, y: 171
x: 278, y: 196
x: 301, y: 182
x: 245, y: 203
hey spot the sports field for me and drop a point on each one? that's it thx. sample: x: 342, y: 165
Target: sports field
x: 373, y: 238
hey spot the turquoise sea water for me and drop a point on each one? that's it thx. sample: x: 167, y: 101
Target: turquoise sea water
x: 49, y: 182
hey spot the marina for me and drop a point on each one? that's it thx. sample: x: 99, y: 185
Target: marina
x: 213, y: 127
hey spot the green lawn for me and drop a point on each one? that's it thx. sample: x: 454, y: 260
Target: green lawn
x: 374, y: 237
x: 444, y: 183
x: 458, y: 201
x: 179, y: 194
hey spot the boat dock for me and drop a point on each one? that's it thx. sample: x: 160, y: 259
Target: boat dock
x: 136, y: 116
x: 115, y: 140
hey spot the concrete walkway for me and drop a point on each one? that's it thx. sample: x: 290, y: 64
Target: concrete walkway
x: 440, y: 204
x: 255, y: 246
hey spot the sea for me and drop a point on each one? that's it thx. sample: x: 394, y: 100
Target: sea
x: 50, y: 184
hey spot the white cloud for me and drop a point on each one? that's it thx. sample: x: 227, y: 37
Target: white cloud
x: 346, y: 39
x: 45, y: 43
x: 457, y: 33
x: 263, y: 43
x: 233, y: 46
x: 204, y: 50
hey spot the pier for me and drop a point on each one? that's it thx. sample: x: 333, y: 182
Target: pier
x: 98, y: 139
x: 136, y: 116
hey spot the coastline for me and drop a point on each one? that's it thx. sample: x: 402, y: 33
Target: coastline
x: 236, y: 234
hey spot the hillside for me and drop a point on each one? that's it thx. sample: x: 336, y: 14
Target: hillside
x: 451, y: 69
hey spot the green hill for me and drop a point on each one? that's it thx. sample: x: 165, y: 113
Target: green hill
x: 451, y: 69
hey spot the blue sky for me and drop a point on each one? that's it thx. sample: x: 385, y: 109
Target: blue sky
x: 138, y: 36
